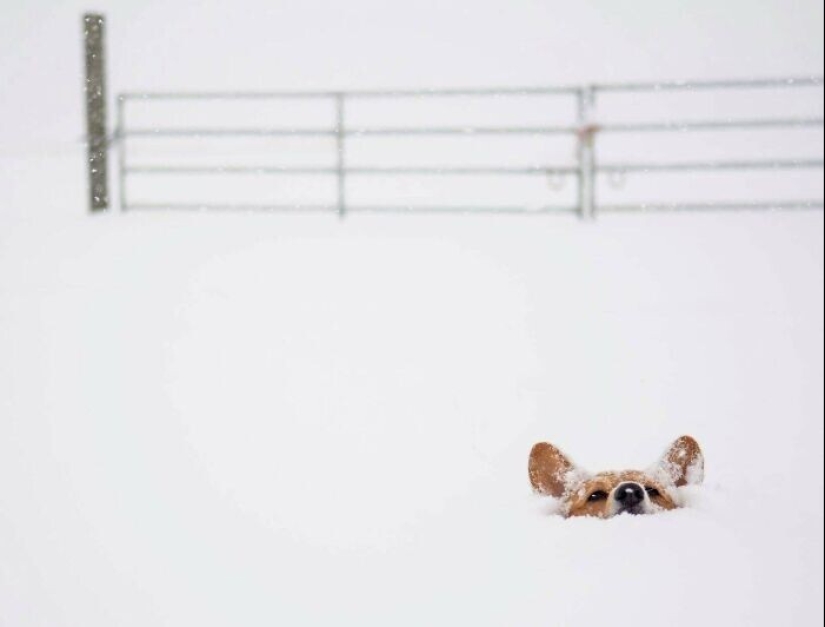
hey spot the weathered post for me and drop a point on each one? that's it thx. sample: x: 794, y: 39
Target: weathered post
x: 95, y: 89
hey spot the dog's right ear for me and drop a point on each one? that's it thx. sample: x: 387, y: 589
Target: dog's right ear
x: 682, y: 463
x: 551, y: 472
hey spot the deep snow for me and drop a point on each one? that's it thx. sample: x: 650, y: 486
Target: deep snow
x: 209, y: 420
x: 222, y: 419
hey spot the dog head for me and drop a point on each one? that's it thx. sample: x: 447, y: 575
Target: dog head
x: 606, y: 494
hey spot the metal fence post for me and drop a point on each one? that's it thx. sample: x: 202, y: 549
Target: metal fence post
x: 586, y: 153
x: 95, y: 89
x: 341, y: 159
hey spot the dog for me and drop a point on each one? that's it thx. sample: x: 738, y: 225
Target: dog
x: 608, y: 494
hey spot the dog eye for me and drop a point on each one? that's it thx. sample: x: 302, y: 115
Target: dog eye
x: 598, y: 495
x: 652, y: 492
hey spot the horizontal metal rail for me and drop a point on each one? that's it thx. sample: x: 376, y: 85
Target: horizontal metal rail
x: 381, y: 170
x: 229, y: 132
x: 687, y: 166
x: 476, y: 209
x: 585, y: 130
x: 240, y: 207
x: 478, y: 91
x: 709, y: 125
x: 797, y: 205
x: 758, y: 83
x: 697, y: 125
x: 352, y: 132
x: 698, y: 166
x: 365, y: 93
x: 442, y: 209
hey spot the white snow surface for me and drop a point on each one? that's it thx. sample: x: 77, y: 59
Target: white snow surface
x: 215, y: 419
x: 209, y: 420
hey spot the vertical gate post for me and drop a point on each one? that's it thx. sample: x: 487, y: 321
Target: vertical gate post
x: 586, y: 154
x: 95, y: 90
x: 341, y: 151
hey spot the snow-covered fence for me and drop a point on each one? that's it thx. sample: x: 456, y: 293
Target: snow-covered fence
x: 735, y: 144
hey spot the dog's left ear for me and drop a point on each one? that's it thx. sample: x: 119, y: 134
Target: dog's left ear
x: 682, y: 463
x: 551, y: 471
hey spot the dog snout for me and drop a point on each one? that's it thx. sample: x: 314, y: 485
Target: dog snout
x: 629, y: 495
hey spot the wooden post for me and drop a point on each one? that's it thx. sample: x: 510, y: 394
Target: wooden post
x: 95, y: 89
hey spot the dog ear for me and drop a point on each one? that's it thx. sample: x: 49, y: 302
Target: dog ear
x: 682, y: 463
x: 551, y: 472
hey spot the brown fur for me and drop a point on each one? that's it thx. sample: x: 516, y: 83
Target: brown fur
x: 578, y: 505
x: 683, y: 454
x: 553, y: 474
x: 548, y: 467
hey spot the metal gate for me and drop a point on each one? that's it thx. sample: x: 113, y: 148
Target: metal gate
x: 760, y: 114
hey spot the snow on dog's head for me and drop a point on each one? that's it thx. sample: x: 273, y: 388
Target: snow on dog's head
x: 606, y: 494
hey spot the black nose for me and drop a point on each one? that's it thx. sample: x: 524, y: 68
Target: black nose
x: 629, y: 494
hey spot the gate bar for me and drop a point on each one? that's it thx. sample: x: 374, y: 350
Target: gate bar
x: 586, y: 153
x: 378, y: 170
x: 354, y: 132
x: 755, y: 83
x: 340, y: 146
x: 765, y: 83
